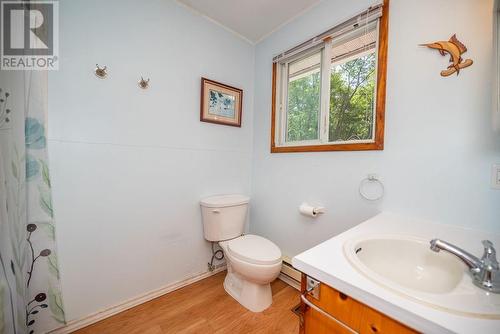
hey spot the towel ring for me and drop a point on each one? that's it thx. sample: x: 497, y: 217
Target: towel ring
x: 365, y: 181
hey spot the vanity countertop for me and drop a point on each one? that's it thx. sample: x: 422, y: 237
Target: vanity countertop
x: 327, y: 263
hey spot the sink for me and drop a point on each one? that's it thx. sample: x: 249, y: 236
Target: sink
x: 411, y: 264
x: 407, y: 266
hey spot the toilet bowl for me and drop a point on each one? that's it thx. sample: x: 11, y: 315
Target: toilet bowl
x: 253, y: 262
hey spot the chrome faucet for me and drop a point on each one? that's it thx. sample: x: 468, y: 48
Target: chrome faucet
x: 485, y: 271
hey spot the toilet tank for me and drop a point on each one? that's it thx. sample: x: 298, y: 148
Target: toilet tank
x: 224, y: 216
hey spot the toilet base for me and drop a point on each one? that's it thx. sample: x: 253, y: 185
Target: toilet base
x: 253, y: 296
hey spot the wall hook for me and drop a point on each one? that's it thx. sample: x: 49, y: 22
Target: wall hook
x: 144, y: 84
x: 100, y: 72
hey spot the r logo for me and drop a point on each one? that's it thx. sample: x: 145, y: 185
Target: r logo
x: 27, y: 29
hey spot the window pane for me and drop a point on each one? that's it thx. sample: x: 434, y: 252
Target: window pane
x: 304, y: 87
x: 352, y: 87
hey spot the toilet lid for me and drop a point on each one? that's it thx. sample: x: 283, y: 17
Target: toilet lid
x: 254, y: 249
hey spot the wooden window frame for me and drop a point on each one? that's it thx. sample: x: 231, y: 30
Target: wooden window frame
x: 378, y: 143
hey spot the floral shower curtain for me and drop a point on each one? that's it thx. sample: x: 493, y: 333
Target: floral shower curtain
x: 30, y: 295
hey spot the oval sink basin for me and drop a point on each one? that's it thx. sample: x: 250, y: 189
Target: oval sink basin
x: 407, y: 266
x: 411, y: 264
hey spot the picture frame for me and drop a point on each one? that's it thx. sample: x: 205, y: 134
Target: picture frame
x: 220, y: 103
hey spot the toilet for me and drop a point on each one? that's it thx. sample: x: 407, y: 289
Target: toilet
x: 253, y: 262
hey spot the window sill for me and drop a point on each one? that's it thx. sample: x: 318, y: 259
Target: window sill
x: 376, y: 146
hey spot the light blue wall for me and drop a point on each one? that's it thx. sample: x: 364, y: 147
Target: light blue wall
x: 439, y: 139
x: 129, y: 165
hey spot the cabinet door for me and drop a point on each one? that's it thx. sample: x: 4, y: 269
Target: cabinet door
x: 373, y: 322
x: 339, y: 305
x: 317, y: 323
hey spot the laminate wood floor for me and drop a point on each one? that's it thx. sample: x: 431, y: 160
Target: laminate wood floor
x: 204, y: 307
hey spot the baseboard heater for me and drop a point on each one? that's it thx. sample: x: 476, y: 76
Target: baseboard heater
x: 289, y: 274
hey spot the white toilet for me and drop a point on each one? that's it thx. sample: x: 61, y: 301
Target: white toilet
x: 253, y: 262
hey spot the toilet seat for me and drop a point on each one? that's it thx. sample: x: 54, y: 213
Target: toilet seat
x: 254, y: 249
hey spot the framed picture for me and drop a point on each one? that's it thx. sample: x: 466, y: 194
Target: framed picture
x: 220, y: 104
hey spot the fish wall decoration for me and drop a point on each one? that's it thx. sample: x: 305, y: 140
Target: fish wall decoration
x: 455, y: 49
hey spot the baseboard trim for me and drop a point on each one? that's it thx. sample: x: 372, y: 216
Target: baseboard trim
x: 74, y: 325
x: 290, y: 281
x: 289, y: 274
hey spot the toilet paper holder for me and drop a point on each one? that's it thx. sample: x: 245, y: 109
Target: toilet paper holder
x: 310, y: 210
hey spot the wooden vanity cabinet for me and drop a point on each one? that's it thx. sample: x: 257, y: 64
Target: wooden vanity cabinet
x: 349, y: 315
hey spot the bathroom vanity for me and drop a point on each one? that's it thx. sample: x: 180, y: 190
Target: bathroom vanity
x: 326, y: 310
x: 382, y: 277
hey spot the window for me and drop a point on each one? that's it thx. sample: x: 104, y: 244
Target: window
x: 303, y: 98
x: 329, y: 92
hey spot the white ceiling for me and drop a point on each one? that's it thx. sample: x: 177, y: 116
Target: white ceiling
x: 251, y: 19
